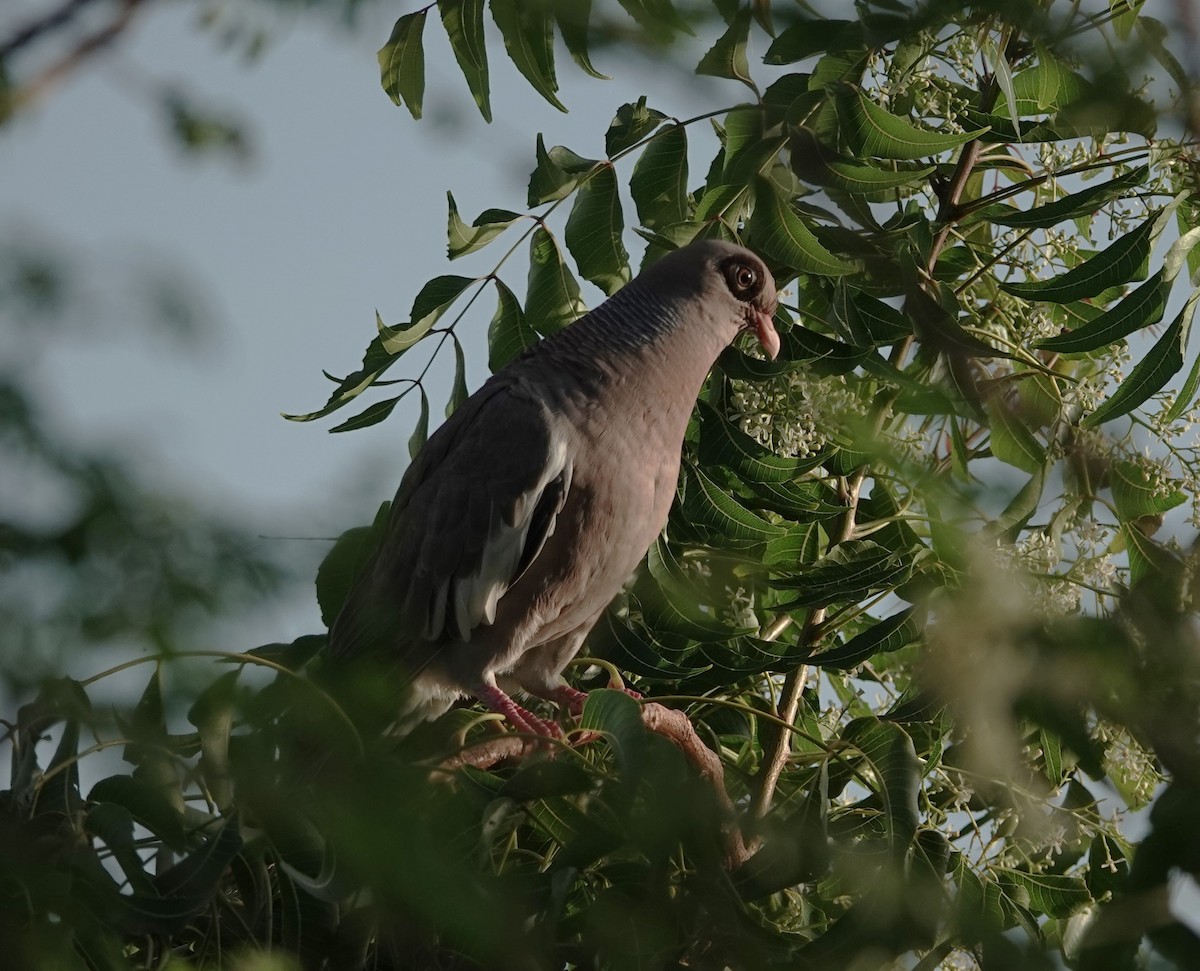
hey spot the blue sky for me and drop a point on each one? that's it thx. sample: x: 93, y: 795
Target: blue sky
x: 340, y: 211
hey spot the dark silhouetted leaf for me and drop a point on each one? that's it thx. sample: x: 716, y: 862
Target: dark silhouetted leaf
x: 632, y: 123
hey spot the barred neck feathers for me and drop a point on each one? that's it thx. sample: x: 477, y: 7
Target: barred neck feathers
x: 627, y: 322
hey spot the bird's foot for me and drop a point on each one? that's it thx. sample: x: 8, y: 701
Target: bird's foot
x: 522, y: 719
x: 572, y: 699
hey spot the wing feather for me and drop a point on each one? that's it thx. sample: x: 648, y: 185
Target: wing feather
x: 472, y: 513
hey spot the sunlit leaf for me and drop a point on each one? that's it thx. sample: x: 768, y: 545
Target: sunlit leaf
x: 458, y: 392
x: 1162, y: 362
x: 594, y: 231
x: 710, y: 506
x: 529, y: 40
x: 882, y: 637
x: 727, y: 57
x: 1143, y: 307
x: 573, y: 17
x: 1011, y: 439
x: 508, y: 333
x: 1085, y: 202
x: 553, y: 299
x: 1119, y: 263
x: 1137, y: 494
x: 402, y: 62
x: 463, y: 20
x: 870, y: 130
x: 782, y: 235
x: 659, y: 180
x: 463, y: 239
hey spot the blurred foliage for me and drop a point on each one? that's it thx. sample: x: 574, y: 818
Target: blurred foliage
x: 928, y: 591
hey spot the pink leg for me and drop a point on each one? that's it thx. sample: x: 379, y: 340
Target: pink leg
x: 523, y: 720
x: 572, y: 699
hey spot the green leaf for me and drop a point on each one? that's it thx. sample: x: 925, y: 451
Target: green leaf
x: 529, y: 40
x: 463, y: 20
x: 1187, y: 393
x: 890, y: 752
x: 557, y: 173
x: 1083, y: 203
x: 1152, y: 372
x: 342, y: 564
x: 1135, y: 494
x: 723, y: 445
x: 870, y: 130
x: 375, y: 362
x: 821, y: 354
x: 433, y: 300
x: 619, y: 718
x: 508, y: 333
x: 212, y: 713
x: 553, y: 299
x: 371, y: 415
x: 851, y: 571
x: 710, y: 506
x: 113, y: 824
x: 871, y: 321
x: 809, y: 36
x: 883, y: 637
x: 145, y: 804
x: 815, y: 163
x: 1116, y: 265
x: 1052, y: 894
x: 1147, y: 559
x: 632, y: 122
x: 463, y: 239
x: 659, y: 180
x: 402, y: 63
x: 658, y: 16
x: 1022, y: 506
x: 187, y: 887
x: 573, y: 17
x: 780, y: 234
x: 594, y: 231
x: 1011, y: 441
x: 1143, y: 307
x: 458, y: 392
x: 416, y: 441
x: 794, y: 549
x: 727, y: 57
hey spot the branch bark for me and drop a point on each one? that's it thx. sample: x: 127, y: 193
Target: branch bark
x: 671, y: 723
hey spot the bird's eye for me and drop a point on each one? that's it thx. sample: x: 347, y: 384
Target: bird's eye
x: 743, y: 279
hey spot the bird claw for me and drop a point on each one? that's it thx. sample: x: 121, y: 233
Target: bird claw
x: 520, y: 718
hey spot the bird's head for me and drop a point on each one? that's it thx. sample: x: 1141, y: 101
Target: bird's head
x: 752, y: 285
x: 724, y: 275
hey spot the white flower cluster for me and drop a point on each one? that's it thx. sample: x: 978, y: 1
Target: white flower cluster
x: 1127, y: 763
x: 793, y: 414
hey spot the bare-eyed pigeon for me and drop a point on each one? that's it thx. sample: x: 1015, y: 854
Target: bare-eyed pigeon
x: 523, y: 515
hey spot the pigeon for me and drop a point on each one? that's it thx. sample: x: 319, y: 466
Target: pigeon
x: 523, y: 515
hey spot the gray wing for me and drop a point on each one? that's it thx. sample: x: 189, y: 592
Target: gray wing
x: 472, y: 512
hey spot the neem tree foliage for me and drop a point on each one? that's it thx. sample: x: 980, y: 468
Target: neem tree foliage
x: 927, y: 591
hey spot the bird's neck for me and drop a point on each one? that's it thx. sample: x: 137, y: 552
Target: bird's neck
x: 640, y: 346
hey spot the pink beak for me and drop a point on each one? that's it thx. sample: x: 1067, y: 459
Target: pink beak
x: 764, y: 330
